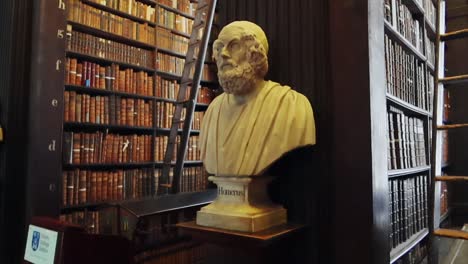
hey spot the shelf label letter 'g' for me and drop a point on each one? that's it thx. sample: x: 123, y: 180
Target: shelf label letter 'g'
x: 61, y: 4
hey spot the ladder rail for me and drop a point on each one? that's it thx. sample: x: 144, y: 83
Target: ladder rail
x: 182, y: 102
x: 435, y: 119
x: 193, y: 96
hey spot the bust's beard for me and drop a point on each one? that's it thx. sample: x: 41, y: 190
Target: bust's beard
x: 239, y: 80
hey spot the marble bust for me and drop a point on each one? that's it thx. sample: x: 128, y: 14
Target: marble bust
x: 247, y: 128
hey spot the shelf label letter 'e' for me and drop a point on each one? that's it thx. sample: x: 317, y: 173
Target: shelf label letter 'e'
x: 61, y: 4
x: 52, y: 146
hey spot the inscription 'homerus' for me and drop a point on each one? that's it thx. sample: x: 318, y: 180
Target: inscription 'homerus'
x: 222, y: 191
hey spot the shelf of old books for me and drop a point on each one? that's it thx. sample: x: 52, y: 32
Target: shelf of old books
x: 413, y: 244
x: 409, y: 213
x: 142, y: 13
x: 124, y: 62
x: 410, y: 59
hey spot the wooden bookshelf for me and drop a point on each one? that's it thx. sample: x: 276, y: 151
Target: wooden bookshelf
x: 405, y: 172
x: 409, y: 95
x: 405, y: 247
x: 407, y: 106
x: 113, y: 128
x: 391, y: 31
x: 175, y: 10
x: 118, y: 12
x: 175, y: 31
x: 110, y: 36
x: 98, y: 91
x: 109, y: 166
x: 107, y: 61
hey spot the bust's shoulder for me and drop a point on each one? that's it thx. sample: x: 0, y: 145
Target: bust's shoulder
x: 284, y: 91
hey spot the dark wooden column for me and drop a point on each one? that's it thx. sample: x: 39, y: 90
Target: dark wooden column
x: 15, y: 52
x: 360, y: 209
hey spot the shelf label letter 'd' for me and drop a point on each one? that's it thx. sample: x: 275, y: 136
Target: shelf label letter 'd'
x: 52, y: 146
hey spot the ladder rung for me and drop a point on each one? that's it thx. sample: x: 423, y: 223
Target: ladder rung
x: 182, y: 102
x: 194, y: 43
x: 165, y: 185
x: 451, y: 178
x: 451, y: 233
x: 454, y: 35
x: 454, y: 79
x: 445, y: 127
x: 199, y: 25
x: 201, y: 7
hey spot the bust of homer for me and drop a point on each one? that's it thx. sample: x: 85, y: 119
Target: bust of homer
x: 255, y: 121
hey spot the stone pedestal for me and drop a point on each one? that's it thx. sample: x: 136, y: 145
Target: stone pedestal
x: 242, y: 205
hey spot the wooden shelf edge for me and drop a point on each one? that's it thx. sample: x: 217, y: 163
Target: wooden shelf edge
x: 177, y: 11
x: 408, y: 106
x: 205, y: 197
x: 403, y: 41
x: 129, y: 165
x: 92, y: 90
x: 104, y: 126
x: 404, y: 172
x: 406, y: 246
x: 109, y: 35
x: 108, y: 61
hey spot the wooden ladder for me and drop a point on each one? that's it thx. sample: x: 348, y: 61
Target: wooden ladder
x: 443, y: 82
x: 185, y: 107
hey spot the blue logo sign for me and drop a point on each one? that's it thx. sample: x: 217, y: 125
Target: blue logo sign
x: 35, y: 240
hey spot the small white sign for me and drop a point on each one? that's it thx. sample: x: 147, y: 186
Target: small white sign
x: 40, y: 245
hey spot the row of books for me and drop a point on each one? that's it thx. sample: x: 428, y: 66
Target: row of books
x: 171, y: 64
x: 168, y: 40
x: 430, y: 51
x: 108, y: 77
x: 174, y: 21
x: 169, y: 89
x: 131, y: 7
x: 87, y: 15
x: 408, y: 26
x: 408, y: 207
x: 102, y: 148
x: 99, y: 47
x: 431, y: 11
x: 406, y: 77
x: 165, y: 112
x: 108, y: 110
x: 388, y: 7
x: 406, y: 144
x: 185, y: 6
x: 88, y: 186
x: 94, y: 222
x: 417, y: 255
x: 193, y: 149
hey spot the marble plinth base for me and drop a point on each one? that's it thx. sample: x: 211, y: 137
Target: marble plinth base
x: 242, y: 205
